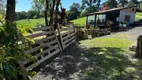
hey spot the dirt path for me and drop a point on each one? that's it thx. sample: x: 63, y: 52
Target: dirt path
x: 75, y: 64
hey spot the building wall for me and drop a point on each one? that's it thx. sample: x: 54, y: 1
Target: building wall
x: 123, y: 14
x: 127, y: 12
x: 130, y: 10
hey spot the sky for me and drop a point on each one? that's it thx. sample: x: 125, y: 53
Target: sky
x: 25, y: 5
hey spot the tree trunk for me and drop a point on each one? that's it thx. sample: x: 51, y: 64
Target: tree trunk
x: 90, y: 5
x: 56, y: 14
x: 46, y: 12
x: 57, y: 10
x: 139, y: 47
x: 51, y: 13
x: 10, y: 12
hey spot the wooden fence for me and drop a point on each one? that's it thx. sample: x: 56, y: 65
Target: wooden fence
x: 47, y: 44
x: 68, y: 37
x: 83, y: 33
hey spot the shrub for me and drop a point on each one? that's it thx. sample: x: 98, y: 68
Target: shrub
x: 11, y: 55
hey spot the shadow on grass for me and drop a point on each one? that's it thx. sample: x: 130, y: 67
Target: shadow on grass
x: 77, y: 63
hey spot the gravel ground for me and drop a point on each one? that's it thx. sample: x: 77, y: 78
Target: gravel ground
x: 69, y: 65
x: 134, y: 33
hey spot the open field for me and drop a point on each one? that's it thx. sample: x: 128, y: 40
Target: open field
x: 79, y: 22
x: 31, y: 22
x: 138, y: 16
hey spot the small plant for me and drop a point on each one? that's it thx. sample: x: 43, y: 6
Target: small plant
x: 11, y: 55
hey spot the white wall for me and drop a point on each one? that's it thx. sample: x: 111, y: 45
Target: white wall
x: 123, y: 14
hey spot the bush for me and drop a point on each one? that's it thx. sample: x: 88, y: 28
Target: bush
x: 11, y: 55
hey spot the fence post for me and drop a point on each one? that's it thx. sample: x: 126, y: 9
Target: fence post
x: 139, y: 47
x: 59, y: 36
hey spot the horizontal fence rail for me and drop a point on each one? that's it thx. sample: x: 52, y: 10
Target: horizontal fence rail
x: 46, y: 45
x: 68, y: 37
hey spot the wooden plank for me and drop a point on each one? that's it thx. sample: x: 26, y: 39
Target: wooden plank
x: 38, y: 48
x: 69, y: 40
x: 44, y: 39
x: 46, y: 51
x: 66, y: 37
x: 39, y: 34
x: 69, y: 43
x: 63, y: 34
x: 52, y: 28
x: 42, y: 53
x: 41, y: 28
x: 41, y: 46
x: 42, y: 60
x: 63, y: 29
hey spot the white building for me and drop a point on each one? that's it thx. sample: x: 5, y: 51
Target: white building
x: 112, y: 17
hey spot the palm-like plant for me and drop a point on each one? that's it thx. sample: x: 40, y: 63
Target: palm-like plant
x: 90, y: 3
x: 123, y: 2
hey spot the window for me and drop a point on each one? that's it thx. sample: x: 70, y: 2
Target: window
x: 127, y: 18
x: 133, y: 10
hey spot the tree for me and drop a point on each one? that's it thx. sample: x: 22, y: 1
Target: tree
x: 133, y: 2
x: 46, y: 11
x: 89, y: 4
x: 74, y: 11
x: 12, y: 56
x: 140, y: 6
x: 2, y: 7
x: 86, y: 11
x: 38, y: 5
x: 49, y: 8
x: 31, y: 14
x: 52, y: 12
x: 112, y: 3
x: 21, y: 15
x: 10, y: 12
x: 123, y: 2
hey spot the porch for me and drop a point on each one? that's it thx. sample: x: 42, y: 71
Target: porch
x: 103, y: 19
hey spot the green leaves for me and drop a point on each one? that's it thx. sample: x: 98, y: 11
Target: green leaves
x: 11, y: 55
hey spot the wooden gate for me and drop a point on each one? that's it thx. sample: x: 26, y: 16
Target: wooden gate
x: 68, y: 37
x: 46, y: 45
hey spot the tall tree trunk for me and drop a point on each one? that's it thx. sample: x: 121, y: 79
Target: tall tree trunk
x: 57, y: 11
x: 10, y: 12
x: 46, y: 12
x: 90, y: 5
x: 51, y: 13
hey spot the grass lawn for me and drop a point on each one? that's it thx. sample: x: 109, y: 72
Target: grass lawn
x: 110, y: 60
x: 34, y: 22
x: 138, y: 16
x: 80, y: 21
x: 31, y: 22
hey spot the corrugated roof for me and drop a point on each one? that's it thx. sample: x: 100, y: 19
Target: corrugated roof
x: 110, y: 10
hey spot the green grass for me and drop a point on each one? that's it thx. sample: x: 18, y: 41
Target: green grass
x: 139, y: 13
x: 109, y: 61
x: 80, y: 21
x: 138, y: 16
x: 107, y: 42
x: 31, y: 22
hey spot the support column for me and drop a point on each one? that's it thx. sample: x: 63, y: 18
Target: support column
x: 106, y: 20
x: 86, y: 21
x: 95, y: 20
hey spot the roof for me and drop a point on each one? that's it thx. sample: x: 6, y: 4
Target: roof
x: 110, y: 10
